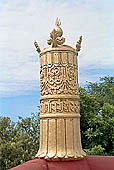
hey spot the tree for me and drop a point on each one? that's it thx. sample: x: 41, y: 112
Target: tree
x: 97, y: 117
x: 103, y: 90
x: 18, y: 141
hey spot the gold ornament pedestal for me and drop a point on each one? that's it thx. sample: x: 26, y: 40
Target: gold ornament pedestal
x: 59, y: 100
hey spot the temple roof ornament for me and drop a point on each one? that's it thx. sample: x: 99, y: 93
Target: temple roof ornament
x: 60, y: 137
x: 56, y: 41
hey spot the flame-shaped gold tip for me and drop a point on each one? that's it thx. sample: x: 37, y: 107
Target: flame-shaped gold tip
x: 58, y: 22
x: 56, y: 38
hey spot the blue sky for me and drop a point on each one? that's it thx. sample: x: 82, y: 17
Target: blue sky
x: 23, y: 21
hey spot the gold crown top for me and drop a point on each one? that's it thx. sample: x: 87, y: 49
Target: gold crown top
x: 56, y: 39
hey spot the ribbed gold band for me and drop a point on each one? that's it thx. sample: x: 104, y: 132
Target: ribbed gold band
x: 59, y: 115
x: 60, y: 97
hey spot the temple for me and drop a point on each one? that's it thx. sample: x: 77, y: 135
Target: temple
x: 60, y: 137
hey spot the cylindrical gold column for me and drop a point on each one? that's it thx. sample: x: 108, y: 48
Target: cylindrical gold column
x: 59, y: 103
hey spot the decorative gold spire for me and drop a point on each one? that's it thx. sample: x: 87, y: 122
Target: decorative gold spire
x: 60, y: 137
x: 56, y: 38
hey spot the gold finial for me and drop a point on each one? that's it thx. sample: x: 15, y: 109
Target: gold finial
x: 37, y: 46
x: 78, y: 44
x: 56, y: 38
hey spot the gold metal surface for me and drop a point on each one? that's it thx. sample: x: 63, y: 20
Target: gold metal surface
x: 59, y: 100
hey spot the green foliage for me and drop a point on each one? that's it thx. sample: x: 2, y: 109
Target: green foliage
x: 97, y: 117
x: 104, y: 90
x: 19, y: 141
x: 96, y: 150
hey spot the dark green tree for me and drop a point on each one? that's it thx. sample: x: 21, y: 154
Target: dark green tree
x: 97, y: 117
x: 19, y: 141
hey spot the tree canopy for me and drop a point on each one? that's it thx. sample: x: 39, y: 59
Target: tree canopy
x: 19, y: 141
x: 97, y: 117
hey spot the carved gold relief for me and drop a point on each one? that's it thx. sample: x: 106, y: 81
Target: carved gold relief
x: 58, y: 79
x: 59, y: 106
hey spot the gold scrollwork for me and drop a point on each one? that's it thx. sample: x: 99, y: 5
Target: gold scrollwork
x: 58, y: 79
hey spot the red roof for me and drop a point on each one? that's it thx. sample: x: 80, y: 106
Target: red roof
x: 88, y: 163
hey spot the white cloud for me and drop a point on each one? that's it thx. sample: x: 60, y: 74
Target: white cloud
x: 22, y: 22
